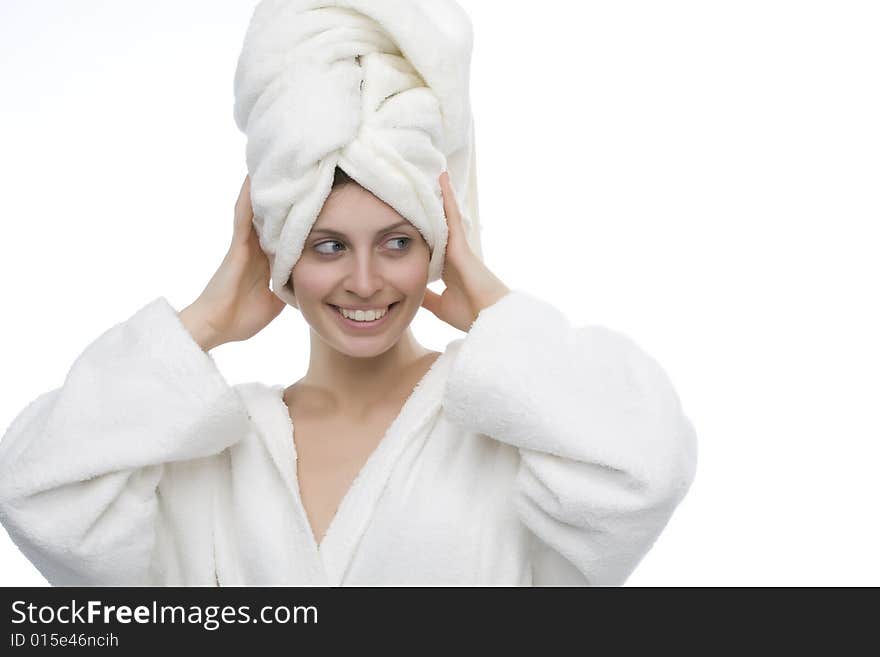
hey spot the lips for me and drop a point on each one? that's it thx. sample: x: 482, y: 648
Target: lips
x: 362, y: 326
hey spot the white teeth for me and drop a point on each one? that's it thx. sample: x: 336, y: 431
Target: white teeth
x: 363, y: 315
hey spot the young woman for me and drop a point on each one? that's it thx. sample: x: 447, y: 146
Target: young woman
x: 527, y: 453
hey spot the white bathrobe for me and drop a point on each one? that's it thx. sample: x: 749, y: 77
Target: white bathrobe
x: 531, y: 453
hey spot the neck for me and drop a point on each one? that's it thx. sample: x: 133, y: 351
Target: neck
x: 357, y: 383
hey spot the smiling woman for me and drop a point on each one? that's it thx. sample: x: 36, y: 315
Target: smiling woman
x: 528, y: 452
x: 360, y: 257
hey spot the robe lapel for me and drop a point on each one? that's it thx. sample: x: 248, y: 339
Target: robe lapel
x: 339, y: 544
x: 305, y: 567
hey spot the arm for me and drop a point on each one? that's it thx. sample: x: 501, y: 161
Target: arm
x: 80, y: 465
x: 606, y: 452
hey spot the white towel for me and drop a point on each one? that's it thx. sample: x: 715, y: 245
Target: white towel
x: 379, y: 88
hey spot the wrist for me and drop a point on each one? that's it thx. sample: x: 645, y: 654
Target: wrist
x: 491, y: 296
x: 195, y: 321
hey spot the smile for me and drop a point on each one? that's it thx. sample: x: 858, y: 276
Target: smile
x: 362, y: 325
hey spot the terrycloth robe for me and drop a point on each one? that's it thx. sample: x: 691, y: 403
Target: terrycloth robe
x: 531, y: 453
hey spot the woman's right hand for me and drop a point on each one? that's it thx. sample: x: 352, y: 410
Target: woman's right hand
x: 237, y: 303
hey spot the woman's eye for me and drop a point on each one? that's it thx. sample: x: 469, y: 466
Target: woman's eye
x: 331, y: 251
x: 407, y: 240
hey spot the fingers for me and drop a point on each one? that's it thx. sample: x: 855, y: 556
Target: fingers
x: 244, y: 196
x: 244, y: 213
x: 450, y: 208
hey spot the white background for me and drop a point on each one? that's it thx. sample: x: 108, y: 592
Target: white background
x: 704, y: 176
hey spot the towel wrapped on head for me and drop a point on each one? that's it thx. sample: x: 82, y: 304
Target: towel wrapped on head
x: 378, y: 88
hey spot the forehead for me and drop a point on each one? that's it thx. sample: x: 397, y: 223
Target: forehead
x: 351, y: 210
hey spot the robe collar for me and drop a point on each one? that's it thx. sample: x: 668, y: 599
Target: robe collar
x: 330, y: 560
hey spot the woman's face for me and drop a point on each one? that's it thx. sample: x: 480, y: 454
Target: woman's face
x: 361, y: 254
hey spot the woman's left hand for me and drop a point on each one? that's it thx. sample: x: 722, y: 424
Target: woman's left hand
x: 470, y: 286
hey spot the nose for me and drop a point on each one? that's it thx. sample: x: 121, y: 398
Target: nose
x: 365, y: 279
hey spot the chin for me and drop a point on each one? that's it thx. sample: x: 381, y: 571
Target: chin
x: 363, y: 347
x: 364, y: 352
x: 368, y: 345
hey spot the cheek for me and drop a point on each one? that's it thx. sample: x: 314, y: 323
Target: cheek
x: 312, y: 281
x: 411, y: 274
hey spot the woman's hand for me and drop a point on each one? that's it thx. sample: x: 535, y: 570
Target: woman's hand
x: 237, y: 303
x: 470, y: 286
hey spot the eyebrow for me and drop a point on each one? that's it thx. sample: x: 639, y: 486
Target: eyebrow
x: 336, y: 233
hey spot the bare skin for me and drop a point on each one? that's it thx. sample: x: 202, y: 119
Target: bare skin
x: 357, y: 381
x: 333, y: 445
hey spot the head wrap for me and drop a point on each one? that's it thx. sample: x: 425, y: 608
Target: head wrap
x: 379, y: 88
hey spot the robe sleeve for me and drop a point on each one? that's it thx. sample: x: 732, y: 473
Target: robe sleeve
x: 81, y: 464
x: 606, y: 453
